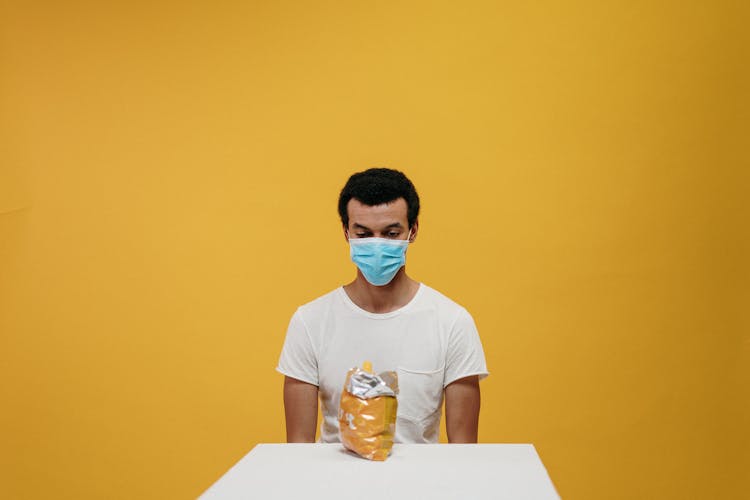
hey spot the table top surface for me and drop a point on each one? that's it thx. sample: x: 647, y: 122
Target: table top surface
x: 412, y: 471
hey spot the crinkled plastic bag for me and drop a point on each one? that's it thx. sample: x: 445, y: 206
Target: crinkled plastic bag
x: 367, y: 414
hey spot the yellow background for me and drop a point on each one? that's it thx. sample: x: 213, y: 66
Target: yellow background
x: 168, y: 184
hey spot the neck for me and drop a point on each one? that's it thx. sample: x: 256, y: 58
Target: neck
x: 382, y: 299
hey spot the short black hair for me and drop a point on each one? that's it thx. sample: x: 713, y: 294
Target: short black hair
x: 376, y: 186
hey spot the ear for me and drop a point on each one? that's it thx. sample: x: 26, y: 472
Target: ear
x: 346, y: 231
x: 414, y: 230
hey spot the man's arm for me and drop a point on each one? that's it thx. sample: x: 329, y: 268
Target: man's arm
x: 301, y: 410
x: 462, y: 410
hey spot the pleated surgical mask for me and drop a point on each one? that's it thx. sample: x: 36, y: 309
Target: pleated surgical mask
x: 379, y: 259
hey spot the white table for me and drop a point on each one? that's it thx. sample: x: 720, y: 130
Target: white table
x: 412, y: 471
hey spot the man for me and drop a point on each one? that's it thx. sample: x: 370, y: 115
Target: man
x: 385, y: 317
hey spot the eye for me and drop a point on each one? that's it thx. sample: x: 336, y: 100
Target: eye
x: 393, y: 234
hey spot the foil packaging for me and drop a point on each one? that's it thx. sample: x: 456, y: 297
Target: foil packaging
x: 367, y: 385
x: 367, y: 412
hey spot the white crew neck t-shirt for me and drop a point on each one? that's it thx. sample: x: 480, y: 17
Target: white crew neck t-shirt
x: 430, y: 342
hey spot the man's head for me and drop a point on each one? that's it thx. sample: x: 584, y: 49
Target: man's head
x: 377, y: 194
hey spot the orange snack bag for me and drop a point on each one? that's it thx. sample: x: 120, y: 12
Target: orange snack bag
x: 367, y: 414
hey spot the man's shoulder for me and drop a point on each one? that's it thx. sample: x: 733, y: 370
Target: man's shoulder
x: 429, y: 297
x: 442, y: 302
x: 320, y: 303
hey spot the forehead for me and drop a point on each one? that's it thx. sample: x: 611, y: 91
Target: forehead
x: 373, y: 216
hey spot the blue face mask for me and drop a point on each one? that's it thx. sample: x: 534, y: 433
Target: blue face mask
x: 379, y: 259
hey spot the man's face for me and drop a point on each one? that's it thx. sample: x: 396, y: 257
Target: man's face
x: 388, y: 220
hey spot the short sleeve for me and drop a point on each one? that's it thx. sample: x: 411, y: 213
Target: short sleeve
x: 298, y: 359
x: 465, y: 356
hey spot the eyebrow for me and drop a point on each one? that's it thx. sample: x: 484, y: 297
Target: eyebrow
x: 395, y: 224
